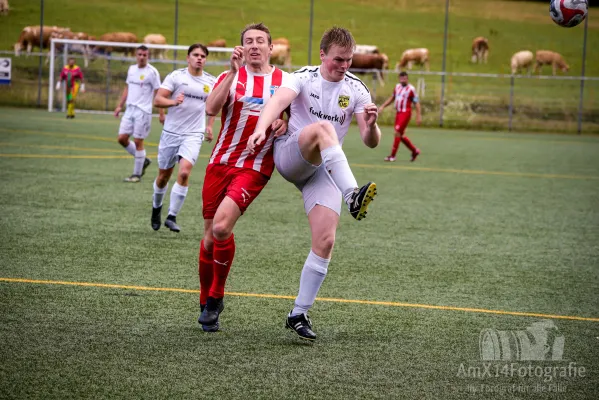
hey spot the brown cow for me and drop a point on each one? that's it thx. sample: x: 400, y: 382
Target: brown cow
x: 376, y: 62
x: 283, y: 41
x: 413, y: 56
x: 4, y: 7
x: 123, y: 37
x: 82, y: 49
x: 30, y: 37
x: 217, y: 43
x: 552, y: 58
x: 480, y: 50
x: 281, y: 55
x: 520, y: 60
x: 156, y: 38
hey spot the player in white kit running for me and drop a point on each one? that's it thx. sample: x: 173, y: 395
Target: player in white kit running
x: 143, y: 81
x: 323, y: 100
x: 184, y: 91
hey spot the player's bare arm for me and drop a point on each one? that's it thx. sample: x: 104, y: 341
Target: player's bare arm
x: 121, y: 102
x: 208, y: 136
x: 163, y: 99
x: 218, y: 97
x: 418, y: 114
x: 386, y: 103
x: 369, y: 129
x: 273, y: 109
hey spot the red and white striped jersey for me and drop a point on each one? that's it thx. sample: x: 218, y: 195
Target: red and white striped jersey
x: 404, y: 97
x: 247, y: 97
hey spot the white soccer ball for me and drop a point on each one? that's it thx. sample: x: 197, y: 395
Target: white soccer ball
x: 568, y: 13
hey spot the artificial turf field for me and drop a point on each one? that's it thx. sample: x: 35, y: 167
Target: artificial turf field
x: 484, y: 231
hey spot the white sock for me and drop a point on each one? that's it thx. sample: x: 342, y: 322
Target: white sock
x: 336, y: 163
x: 158, y: 195
x: 131, y: 148
x: 313, y: 274
x: 178, y: 194
x: 140, y: 157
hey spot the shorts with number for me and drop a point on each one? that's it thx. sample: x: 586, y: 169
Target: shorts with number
x: 173, y: 147
x: 401, y: 121
x: 242, y: 185
x: 314, y: 181
x: 135, y: 122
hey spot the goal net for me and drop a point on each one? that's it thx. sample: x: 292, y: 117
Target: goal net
x: 105, y: 73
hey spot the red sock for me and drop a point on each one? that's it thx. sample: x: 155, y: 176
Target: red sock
x: 395, y: 146
x: 408, y: 143
x: 223, y: 253
x: 205, y: 270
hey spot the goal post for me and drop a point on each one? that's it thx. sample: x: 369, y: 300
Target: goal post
x: 105, y: 74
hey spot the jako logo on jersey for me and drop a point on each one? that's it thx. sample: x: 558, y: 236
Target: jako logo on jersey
x: 333, y: 118
x: 273, y: 89
x: 315, y: 96
x: 343, y: 101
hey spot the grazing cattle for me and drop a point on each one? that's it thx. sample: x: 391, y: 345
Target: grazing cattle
x: 480, y: 50
x: 217, y: 43
x: 122, y: 37
x: 30, y: 37
x: 366, y: 49
x: 283, y: 41
x: 156, y: 38
x: 374, y: 62
x: 4, y: 7
x: 546, y: 57
x: 413, y: 56
x: 82, y: 49
x: 281, y: 55
x: 520, y: 60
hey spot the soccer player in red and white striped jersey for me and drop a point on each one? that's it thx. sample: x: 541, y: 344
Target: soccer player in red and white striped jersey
x: 234, y: 176
x: 404, y: 95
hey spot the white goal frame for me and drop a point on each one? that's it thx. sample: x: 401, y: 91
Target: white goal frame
x: 53, y: 53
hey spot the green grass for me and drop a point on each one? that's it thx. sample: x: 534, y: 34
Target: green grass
x: 491, y: 221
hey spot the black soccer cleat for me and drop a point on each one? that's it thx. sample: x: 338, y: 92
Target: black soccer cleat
x: 147, y: 163
x: 155, y: 220
x: 171, y: 223
x: 360, y: 200
x: 208, y: 328
x: 301, y: 325
x: 211, y: 312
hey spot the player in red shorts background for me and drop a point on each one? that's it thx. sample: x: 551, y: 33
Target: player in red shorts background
x: 404, y: 95
x: 234, y: 176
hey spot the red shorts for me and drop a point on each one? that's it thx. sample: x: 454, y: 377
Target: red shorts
x: 401, y: 121
x: 242, y: 185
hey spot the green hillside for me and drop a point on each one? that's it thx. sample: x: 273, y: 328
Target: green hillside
x: 393, y: 25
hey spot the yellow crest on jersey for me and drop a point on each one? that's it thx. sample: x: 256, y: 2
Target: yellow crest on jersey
x: 141, y: 77
x: 206, y: 89
x: 343, y: 101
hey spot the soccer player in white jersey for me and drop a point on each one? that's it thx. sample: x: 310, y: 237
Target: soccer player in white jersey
x: 403, y: 96
x: 143, y: 81
x: 184, y: 91
x: 323, y: 100
x: 234, y: 177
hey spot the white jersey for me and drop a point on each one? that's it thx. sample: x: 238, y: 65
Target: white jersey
x: 319, y: 99
x: 142, y: 83
x: 188, y: 117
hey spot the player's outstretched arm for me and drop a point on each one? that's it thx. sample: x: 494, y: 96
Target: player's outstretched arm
x: 386, y: 103
x: 369, y: 130
x: 217, y: 99
x: 418, y: 114
x: 121, y: 102
x: 272, y: 111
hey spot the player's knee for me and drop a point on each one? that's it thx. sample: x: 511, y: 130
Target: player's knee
x: 325, y: 243
x: 221, y: 230
x: 184, y: 176
x: 123, y: 141
x: 326, y: 133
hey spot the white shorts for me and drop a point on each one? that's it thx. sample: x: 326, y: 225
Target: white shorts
x: 135, y: 122
x: 173, y: 147
x: 313, y: 181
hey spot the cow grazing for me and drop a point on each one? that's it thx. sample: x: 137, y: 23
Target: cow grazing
x: 122, y: 37
x: 156, y: 38
x: 480, y: 50
x: 30, y: 37
x: 413, y: 56
x: 217, y: 43
x: 281, y: 55
x: 4, y: 7
x: 82, y: 49
x: 366, y: 49
x: 377, y: 63
x: 546, y: 57
x: 283, y: 41
x: 520, y: 60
